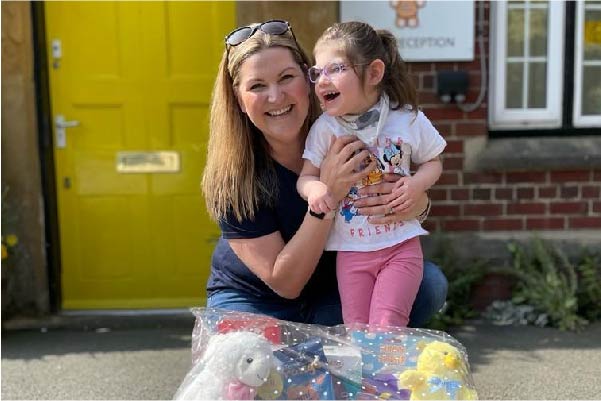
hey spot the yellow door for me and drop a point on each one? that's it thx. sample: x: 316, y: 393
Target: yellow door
x: 130, y: 85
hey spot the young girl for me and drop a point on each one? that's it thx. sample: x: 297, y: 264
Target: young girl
x: 364, y: 88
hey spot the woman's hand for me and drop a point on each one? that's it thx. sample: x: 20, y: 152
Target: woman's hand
x: 388, y: 201
x: 339, y: 168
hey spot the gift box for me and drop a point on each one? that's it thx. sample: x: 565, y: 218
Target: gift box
x: 300, y: 373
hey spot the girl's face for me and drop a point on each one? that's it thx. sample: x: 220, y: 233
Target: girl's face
x: 341, y: 92
x: 273, y: 91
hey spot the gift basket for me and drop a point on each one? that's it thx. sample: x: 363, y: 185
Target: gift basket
x: 244, y: 356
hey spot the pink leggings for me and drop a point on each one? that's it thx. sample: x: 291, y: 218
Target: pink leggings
x: 379, y: 287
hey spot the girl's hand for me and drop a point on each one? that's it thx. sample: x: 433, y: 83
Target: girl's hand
x: 339, y: 168
x: 320, y: 201
x: 408, y: 192
x: 387, y: 203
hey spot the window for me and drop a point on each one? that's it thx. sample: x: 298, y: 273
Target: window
x: 587, y: 65
x: 539, y: 65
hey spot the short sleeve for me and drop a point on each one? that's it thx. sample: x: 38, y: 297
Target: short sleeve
x: 431, y: 143
x: 264, y: 222
x: 318, y: 142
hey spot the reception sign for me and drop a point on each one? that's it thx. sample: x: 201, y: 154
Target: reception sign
x: 426, y: 30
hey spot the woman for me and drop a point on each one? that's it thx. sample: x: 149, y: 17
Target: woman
x: 270, y: 257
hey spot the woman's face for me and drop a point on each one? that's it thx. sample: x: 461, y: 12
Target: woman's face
x: 273, y: 91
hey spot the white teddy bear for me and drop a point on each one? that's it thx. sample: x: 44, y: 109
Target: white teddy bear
x: 232, y: 367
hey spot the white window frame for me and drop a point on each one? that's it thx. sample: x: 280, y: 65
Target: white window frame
x: 501, y: 117
x: 580, y: 120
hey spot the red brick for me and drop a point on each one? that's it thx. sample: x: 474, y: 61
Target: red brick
x: 447, y: 178
x: 482, y: 178
x: 419, y: 67
x: 482, y: 209
x: 428, y: 83
x: 547, y: 192
x: 568, y: 207
x: 445, y: 129
x: 527, y: 176
x: 526, y: 208
x: 471, y: 95
x: 569, y: 192
x: 446, y: 66
x: 475, y: 78
x: 502, y: 224
x: 597, y: 175
x: 597, y: 207
x: 469, y: 128
x: 553, y: 223
x: 454, y: 146
x: 445, y: 210
x: 415, y: 79
x: 584, y: 222
x: 504, y: 193
x: 481, y: 194
x: 480, y: 113
x: 443, y: 113
x: 452, y: 163
x: 437, y: 194
x: 565, y: 176
x: 427, y: 99
x: 460, y: 194
x: 589, y: 191
x: 461, y: 225
x: 525, y: 193
x: 473, y: 67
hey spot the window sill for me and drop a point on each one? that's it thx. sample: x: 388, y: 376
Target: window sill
x: 549, y: 153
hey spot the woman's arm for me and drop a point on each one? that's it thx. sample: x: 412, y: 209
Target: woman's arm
x: 313, y: 190
x: 286, y: 267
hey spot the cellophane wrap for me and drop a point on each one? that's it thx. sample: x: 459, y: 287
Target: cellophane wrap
x: 344, y: 362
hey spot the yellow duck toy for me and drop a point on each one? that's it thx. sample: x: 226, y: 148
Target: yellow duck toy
x: 441, y: 374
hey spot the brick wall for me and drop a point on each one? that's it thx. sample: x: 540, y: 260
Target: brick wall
x: 504, y: 200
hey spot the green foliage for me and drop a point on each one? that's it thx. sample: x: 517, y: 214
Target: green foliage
x: 548, y: 282
x: 461, y: 276
x: 589, y: 285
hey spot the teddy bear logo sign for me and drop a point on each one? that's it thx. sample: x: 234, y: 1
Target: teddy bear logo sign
x: 406, y: 12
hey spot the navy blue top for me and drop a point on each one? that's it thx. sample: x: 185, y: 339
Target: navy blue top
x: 228, y: 271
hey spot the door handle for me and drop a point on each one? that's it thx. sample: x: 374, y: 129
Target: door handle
x: 60, y: 124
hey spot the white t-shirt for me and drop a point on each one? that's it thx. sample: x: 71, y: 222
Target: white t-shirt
x: 404, y: 138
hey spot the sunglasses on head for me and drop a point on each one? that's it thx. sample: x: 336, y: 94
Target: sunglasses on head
x: 271, y: 27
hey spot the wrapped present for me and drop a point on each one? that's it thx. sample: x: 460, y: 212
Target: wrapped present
x: 300, y: 373
x: 302, y: 361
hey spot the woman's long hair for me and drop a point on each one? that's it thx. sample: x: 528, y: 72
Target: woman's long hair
x: 239, y: 174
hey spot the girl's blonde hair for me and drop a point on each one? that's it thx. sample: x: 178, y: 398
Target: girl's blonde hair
x: 362, y: 45
x: 240, y: 174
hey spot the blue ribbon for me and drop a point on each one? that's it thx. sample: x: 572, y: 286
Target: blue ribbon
x: 450, y: 386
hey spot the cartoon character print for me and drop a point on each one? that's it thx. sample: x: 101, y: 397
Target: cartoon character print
x: 348, y: 209
x: 374, y: 176
x: 393, y: 155
x: 406, y: 12
x: 398, y: 156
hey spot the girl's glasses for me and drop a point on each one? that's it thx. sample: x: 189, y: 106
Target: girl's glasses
x: 271, y: 27
x: 330, y: 71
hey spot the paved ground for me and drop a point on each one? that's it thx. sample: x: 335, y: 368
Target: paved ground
x: 147, y: 359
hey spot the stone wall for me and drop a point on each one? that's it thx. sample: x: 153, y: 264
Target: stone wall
x: 24, y: 277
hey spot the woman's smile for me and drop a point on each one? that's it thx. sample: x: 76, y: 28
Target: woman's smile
x: 279, y: 112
